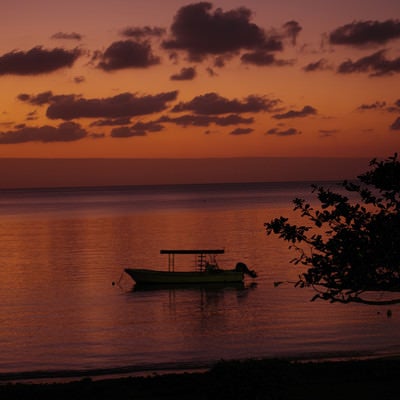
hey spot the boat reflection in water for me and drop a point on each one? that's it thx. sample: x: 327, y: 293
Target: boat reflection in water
x: 196, y: 304
x: 206, y: 271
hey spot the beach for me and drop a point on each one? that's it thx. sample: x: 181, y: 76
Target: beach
x: 249, y: 379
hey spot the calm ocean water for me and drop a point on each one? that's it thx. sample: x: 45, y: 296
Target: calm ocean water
x: 62, y: 249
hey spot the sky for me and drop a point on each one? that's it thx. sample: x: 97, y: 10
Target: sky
x: 181, y: 79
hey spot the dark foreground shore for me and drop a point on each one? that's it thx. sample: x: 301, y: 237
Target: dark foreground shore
x: 255, y: 379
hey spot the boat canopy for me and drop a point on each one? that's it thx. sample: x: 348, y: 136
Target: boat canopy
x: 208, y: 251
x: 201, y: 254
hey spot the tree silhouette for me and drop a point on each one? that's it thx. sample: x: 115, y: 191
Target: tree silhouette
x: 352, y: 248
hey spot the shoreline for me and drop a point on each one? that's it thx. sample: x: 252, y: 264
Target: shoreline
x: 148, y: 370
x: 250, y: 379
x: 66, y: 376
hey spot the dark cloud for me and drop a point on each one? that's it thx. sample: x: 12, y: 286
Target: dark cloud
x: 287, y: 132
x: 32, y: 116
x: 396, y: 125
x: 127, y: 54
x: 241, y: 131
x: 148, y: 126
x: 37, y: 100
x: 376, y: 64
x: 360, y: 33
x: 206, y: 120
x: 67, y: 36
x: 395, y: 107
x: 185, y: 74
x: 97, y: 135
x: 232, y: 119
x: 201, y: 32
x: 79, y: 79
x: 143, y: 32
x: 23, y: 97
x: 72, y: 106
x: 212, y: 103
x: 6, y: 123
x: 189, y: 120
x: 123, y: 105
x: 37, y: 61
x: 374, y: 106
x: 273, y: 43
x: 305, y: 112
x: 65, y: 132
x: 211, y: 72
x: 139, y: 129
x: 112, y: 122
x: 174, y: 57
x: 263, y: 58
x: 292, y: 29
x: 219, y: 62
x: 328, y: 132
x: 319, y: 65
x: 126, y: 132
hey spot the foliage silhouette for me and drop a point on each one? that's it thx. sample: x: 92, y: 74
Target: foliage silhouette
x: 353, y: 247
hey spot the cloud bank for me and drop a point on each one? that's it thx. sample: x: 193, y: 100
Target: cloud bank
x: 68, y: 107
x: 200, y: 31
x: 375, y: 64
x: 37, y: 61
x: 361, y: 33
x: 185, y: 74
x: 213, y: 103
x: 65, y: 132
x: 127, y: 54
x: 305, y: 112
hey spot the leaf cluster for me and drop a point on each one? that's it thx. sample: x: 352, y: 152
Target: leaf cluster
x: 350, y: 244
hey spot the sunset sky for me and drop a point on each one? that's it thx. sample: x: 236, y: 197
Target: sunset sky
x: 180, y: 79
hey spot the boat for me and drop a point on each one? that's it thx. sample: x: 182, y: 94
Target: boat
x: 205, y: 270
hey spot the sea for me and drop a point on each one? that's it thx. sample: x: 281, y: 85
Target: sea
x: 67, y: 307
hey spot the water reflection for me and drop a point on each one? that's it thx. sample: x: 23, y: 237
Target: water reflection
x: 204, y: 295
x: 197, y: 309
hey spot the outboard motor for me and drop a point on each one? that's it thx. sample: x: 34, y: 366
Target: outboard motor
x: 242, y: 267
